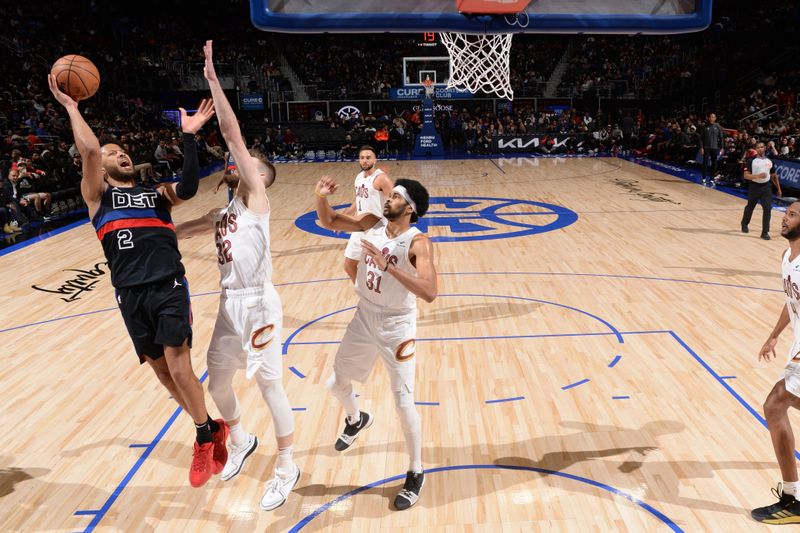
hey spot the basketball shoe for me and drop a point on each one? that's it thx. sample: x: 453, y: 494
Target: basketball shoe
x: 786, y: 511
x: 410, y: 493
x: 278, y: 489
x: 202, y: 464
x: 351, y: 431
x: 220, y: 449
x: 237, y: 455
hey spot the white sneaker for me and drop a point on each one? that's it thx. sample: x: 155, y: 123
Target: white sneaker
x: 278, y: 489
x: 236, y: 457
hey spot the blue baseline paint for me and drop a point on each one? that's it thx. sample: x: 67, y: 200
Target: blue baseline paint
x: 138, y: 445
x: 620, y: 397
x: 576, y: 384
x: 426, y: 403
x: 100, y: 513
x: 501, y: 400
x: 298, y: 408
x: 452, y: 219
x: 608, y: 488
x: 86, y: 513
x: 727, y: 377
x: 613, y: 363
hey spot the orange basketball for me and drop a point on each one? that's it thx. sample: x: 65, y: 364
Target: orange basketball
x: 76, y: 76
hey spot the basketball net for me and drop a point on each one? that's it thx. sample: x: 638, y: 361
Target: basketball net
x: 481, y: 62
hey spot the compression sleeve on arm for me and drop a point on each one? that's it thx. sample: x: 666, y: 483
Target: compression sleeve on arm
x: 187, y: 187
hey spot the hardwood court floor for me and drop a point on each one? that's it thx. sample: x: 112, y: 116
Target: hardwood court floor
x: 624, y: 346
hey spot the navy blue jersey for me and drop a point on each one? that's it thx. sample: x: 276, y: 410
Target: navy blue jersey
x: 135, y: 227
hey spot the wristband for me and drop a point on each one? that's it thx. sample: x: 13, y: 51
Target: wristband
x: 320, y: 195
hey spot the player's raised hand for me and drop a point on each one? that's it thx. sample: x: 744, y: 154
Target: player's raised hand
x: 208, y: 69
x: 62, y: 98
x: 193, y: 123
x: 370, y: 250
x: 768, y: 350
x: 326, y: 186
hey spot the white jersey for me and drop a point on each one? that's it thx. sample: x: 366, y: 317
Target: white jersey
x: 243, y: 253
x: 368, y: 198
x: 378, y: 287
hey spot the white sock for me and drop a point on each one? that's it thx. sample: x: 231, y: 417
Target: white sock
x: 355, y: 418
x: 284, y: 465
x: 791, y: 487
x: 238, y: 435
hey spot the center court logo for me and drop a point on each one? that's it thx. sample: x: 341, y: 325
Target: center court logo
x: 473, y: 218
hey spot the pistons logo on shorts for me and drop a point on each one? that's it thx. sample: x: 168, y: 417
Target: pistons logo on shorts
x: 405, y: 351
x: 261, y: 337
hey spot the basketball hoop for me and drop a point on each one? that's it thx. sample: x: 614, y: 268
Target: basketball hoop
x: 481, y: 62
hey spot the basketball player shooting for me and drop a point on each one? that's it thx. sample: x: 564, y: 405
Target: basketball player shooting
x: 396, y: 267
x: 134, y: 224
x: 247, y: 333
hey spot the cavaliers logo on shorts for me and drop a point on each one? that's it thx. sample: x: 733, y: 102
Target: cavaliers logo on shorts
x: 405, y: 351
x: 261, y: 337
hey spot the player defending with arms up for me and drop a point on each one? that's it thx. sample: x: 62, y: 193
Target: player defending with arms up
x: 247, y: 334
x: 786, y: 392
x: 134, y: 224
x: 396, y: 268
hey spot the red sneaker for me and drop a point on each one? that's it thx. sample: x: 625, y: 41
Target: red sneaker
x: 220, y: 448
x: 202, y: 464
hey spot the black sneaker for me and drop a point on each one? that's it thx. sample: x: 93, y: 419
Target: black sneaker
x: 745, y: 229
x: 786, y: 511
x: 351, y: 431
x: 410, y: 493
x: 765, y: 236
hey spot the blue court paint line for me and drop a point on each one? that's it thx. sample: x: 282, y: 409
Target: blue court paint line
x: 56, y: 319
x: 620, y: 397
x: 501, y: 400
x: 139, y: 445
x: 87, y: 512
x: 298, y: 408
x: 288, y: 340
x: 297, y: 372
x: 135, y: 468
x: 426, y: 403
x: 608, y: 488
x: 42, y: 237
x: 722, y: 382
x: 727, y: 377
x: 577, y: 383
x: 613, y: 363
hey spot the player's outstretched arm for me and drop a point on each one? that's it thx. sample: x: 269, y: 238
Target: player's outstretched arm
x: 198, y: 226
x: 334, y: 220
x: 425, y: 284
x: 229, y: 126
x: 92, y: 185
x: 186, y: 188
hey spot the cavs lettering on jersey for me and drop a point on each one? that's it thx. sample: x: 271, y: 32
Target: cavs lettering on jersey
x: 790, y: 271
x: 381, y: 288
x: 243, y: 254
x: 369, y: 199
x: 135, y: 228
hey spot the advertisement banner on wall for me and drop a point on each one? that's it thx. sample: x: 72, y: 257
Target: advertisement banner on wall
x: 537, y: 143
x: 788, y: 172
x: 252, y: 102
x: 416, y: 93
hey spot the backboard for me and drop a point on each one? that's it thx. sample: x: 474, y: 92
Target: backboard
x: 541, y: 16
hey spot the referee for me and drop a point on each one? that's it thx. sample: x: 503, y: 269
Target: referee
x: 760, y: 172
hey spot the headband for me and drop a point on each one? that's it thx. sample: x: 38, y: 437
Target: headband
x: 399, y: 189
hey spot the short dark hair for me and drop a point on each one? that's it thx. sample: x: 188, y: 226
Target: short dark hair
x: 367, y: 147
x: 419, y: 194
